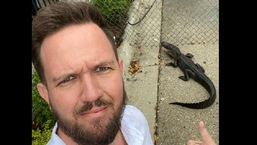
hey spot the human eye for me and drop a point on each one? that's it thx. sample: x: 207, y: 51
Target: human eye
x: 66, y: 80
x: 102, y: 69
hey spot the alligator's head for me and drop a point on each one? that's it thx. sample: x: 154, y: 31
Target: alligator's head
x: 170, y: 49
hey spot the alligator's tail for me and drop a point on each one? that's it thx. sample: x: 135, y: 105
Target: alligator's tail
x: 209, y: 86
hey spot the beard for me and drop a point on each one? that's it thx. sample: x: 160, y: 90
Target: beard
x: 99, y: 131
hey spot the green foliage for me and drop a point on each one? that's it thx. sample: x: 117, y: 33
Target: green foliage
x: 42, y: 118
x: 40, y: 109
x: 41, y: 137
x: 113, y: 10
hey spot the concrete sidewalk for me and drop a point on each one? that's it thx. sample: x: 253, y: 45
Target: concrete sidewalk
x: 155, y: 85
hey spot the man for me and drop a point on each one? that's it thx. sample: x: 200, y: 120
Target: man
x: 76, y: 59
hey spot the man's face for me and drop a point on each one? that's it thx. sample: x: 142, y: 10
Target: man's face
x: 84, y: 83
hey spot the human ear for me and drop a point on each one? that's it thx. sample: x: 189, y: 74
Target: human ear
x: 42, y: 90
x: 121, y: 65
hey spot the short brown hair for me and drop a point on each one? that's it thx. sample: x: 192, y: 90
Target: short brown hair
x: 54, y: 17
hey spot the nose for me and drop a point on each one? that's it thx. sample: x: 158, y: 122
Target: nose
x: 91, y: 88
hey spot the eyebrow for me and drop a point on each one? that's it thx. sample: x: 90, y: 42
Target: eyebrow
x: 105, y: 63
x: 57, y: 79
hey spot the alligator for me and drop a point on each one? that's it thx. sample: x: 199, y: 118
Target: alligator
x: 191, y: 70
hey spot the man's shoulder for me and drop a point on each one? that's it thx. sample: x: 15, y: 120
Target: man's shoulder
x: 133, y: 116
x: 132, y: 110
x: 134, y: 127
x: 131, y: 107
x: 55, y: 139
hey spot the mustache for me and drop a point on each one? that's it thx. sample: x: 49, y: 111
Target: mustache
x: 89, y: 105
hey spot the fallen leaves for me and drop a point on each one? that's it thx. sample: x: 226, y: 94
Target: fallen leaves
x: 134, y: 67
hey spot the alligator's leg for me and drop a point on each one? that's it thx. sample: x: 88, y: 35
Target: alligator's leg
x: 200, y: 67
x: 174, y: 64
x: 187, y: 74
x: 189, y: 55
x: 170, y: 64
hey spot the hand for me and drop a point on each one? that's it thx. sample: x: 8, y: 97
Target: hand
x: 206, y: 138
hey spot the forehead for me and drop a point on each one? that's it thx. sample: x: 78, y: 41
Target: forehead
x: 83, y: 42
x: 87, y: 35
x: 77, y: 33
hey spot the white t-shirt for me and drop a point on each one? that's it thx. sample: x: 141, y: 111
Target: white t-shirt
x: 134, y: 128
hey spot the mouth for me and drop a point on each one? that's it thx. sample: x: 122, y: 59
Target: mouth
x: 95, y: 112
x: 165, y: 49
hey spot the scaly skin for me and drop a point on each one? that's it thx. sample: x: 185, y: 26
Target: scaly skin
x: 191, y: 70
